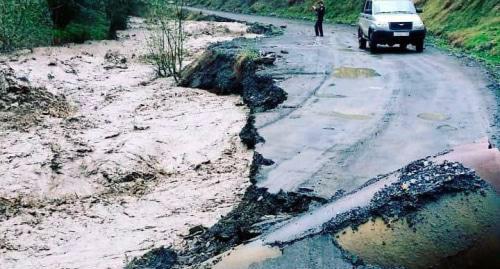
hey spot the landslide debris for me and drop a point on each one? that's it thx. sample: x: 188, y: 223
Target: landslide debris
x: 253, y: 28
x: 264, y: 29
x: 160, y: 258
x: 200, y: 16
x: 227, y: 68
x: 258, y: 210
x: 22, y: 105
x: 249, y: 135
x: 115, y: 60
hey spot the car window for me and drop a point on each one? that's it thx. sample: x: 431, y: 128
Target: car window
x: 368, y: 7
x: 394, y: 7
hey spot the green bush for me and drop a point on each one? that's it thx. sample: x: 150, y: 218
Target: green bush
x: 24, y: 24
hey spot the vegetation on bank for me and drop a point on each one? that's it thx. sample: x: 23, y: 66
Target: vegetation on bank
x: 30, y: 23
x: 472, y: 26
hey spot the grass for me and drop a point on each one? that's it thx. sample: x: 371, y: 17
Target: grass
x: 471, y: 26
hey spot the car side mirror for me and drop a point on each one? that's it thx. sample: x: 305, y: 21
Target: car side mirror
x: 419, y: 10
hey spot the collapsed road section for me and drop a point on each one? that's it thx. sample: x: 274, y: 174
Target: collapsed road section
x: 438, y: 215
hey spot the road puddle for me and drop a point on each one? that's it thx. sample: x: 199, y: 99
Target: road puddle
x: 345, y: 116
x: 461, y: 231
x: 354, y: 73
x: 446, y: 128
x: 244, y: 256
x: 333, y: 96
x: 433, y: 116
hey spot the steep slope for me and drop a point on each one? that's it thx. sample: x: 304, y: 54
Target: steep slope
x: 473, y: 25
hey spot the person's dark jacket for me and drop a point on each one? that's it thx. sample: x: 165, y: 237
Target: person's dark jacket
x: 320, y: 12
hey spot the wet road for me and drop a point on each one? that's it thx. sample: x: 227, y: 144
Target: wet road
x: 351, y: 115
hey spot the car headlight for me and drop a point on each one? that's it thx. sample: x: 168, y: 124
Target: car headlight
x: 419, y: 25
x: 382, y: 25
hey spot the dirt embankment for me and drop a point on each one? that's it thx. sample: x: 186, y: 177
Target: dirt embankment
x: 114, y: 154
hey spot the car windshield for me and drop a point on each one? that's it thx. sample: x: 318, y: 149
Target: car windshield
x: 393, y: 7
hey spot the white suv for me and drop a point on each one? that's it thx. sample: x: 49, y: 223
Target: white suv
x: 391, y: 22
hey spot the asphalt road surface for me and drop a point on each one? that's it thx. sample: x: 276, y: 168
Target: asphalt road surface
x: 351, y: 116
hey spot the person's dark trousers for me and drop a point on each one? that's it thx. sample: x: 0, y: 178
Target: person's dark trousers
x: 319, y: 28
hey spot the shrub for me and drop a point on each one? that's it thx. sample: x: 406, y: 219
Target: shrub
x: 166, y: 42
x: 24, y: 24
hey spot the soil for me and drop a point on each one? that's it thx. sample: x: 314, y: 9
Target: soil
x: 115, y: 154
x: 249, y: 135
x: 258, y: 211
x: 226, y: 69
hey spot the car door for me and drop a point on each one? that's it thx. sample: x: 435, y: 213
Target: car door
x: 366, y: 17
x: 362, y: 18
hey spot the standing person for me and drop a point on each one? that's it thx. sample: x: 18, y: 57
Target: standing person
x: 320, y: 14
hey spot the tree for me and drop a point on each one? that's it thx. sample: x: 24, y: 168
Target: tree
x: 167, y: 40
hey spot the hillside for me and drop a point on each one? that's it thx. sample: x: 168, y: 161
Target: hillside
x: 472, y: 25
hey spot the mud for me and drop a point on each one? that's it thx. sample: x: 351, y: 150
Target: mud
x: 354, y: 73
x: 200, y: 16
x: 23, y: 105
x: 253, y: 28
x: 249, y: 135
x: 258, y: 211
x: 160, y: 258
x: 264, y: 29
x: 226, y: 69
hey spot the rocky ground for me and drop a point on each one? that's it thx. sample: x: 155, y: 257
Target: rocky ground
x: 102, y: 161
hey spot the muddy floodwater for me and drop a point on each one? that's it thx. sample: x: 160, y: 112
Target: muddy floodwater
x: 136, y: 163
x: 460, y: 231
x: 353, y: 73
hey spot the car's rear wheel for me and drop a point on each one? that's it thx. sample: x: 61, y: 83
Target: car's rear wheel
x: 420, y: 46
x: 373, y: 44
x: 361, y: 40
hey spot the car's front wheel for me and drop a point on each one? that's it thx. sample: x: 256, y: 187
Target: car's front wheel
x: 361, y: 39
x: 373, y: 46
x: 420, y: 46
